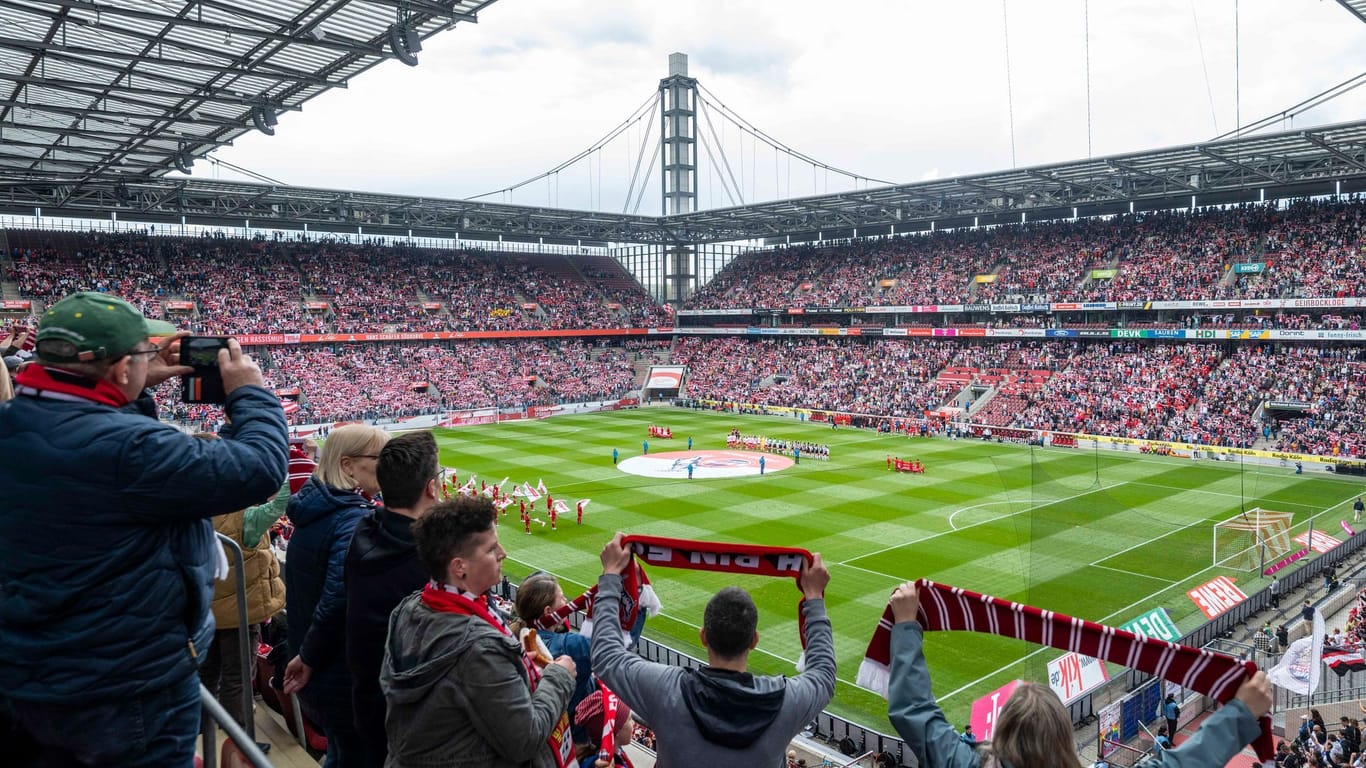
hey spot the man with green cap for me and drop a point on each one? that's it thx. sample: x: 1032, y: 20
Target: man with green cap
x: 109, y: 559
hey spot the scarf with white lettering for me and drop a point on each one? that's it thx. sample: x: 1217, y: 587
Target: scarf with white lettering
x: 945, y: 608
x: 637, y: 594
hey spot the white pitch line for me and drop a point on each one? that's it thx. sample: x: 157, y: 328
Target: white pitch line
x: 1132, y: 573
x: 1216, y: 493
x: 975, y: 506
x: 984, y: 522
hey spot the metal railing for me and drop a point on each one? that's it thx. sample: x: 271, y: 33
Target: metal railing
x: 242, y: 736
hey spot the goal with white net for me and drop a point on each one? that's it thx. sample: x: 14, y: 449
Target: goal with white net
x: 1251, y: 540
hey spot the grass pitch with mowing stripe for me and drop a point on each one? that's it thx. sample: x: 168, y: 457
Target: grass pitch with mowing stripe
x: 1099, y: 535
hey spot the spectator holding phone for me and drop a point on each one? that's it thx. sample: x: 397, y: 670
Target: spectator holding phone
x: 109, y: 557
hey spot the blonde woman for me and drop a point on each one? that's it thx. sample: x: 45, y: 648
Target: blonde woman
x: 324, y: 513
x: 1033, y: 729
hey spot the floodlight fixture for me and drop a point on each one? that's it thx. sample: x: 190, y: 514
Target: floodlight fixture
x: 405, y: 43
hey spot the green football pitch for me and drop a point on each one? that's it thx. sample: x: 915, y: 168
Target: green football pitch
x: 1099, y: 535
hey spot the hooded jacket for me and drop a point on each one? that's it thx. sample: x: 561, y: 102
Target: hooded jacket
x: 324, y: 519
x: 712, y: 716
x: 382, y: 568
x: 107, y: 571
x: 459, y: 695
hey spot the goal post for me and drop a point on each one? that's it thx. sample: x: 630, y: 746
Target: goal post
x: 1252, y: 539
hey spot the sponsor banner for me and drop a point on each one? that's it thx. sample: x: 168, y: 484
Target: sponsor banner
x: 1216, y: 596
x: 979, y: 307
x: 1060, y: 333
x: 17, y: 305
x: 1291, y: 558
x: 1132, y: 305
x: 1060, y: 307
x: 1249, y: 268
x: 796, y: 310
x: 972, y: 332
x: 985, y: 710
x: 1147, y: 333
x: 985, y: 278
x: 1005, y: 307
x: 1322, y: 542
x: 1072, y: 676
x: 1036, y: 307
x: 1010, y: 333
x: 1288, y: 405
x: 1205, y: 450
x: 1098, y: 305
x: 1156, y: 624
x: 1104, y: 274
x: 262, y: 339
x: 894, y: 331
x: 712, y: 312
x: 315, y: 306
x: 178, y: 306
x: 1250, y: 335
x: 1093, y: 333
x: 1206, y: 333
x: 949, y: 308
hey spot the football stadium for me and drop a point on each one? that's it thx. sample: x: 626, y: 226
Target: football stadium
x: 1053, y: 456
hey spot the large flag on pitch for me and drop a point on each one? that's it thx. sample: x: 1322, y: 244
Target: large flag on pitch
x: 1302, y: 664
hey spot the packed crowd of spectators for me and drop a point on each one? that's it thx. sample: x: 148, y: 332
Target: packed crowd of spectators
x: 1308, y: 249
x: 261, y: 286
x: 347, y: 382
x: 1188, y: 392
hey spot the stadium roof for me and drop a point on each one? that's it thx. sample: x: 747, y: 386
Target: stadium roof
x: 99, y: 101
x: 1314, y: 161
x: 138, y: 88
x: 1356, y: 7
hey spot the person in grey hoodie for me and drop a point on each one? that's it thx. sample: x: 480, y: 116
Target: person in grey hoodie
x: 721, y: 714
x: 460, y: 690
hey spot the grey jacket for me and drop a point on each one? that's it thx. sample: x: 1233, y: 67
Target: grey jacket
x: 458, y: 694
x: 714, y: 717
x: 920, y: 721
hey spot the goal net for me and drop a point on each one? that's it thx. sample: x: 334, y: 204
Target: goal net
x: 1250, y: 540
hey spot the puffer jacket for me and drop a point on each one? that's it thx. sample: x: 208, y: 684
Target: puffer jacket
x: 106, y: 576
x: 324, y: 520
x: 459, y: 695
x: 265, y: 588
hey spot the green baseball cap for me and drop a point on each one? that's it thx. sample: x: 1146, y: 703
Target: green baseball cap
x: 90, y: 326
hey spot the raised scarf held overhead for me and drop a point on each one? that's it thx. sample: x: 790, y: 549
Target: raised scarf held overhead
x: 725, y: 557
x: 945, y: 608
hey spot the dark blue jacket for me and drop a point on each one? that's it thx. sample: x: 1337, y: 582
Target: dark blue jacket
x: 106, y: 571
x: 324, y: 520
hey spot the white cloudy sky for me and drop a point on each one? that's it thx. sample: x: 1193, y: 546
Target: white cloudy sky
x: 892, y: 89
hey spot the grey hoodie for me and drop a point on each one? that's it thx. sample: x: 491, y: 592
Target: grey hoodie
x: 711, y: 716
x: 458, y: 694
